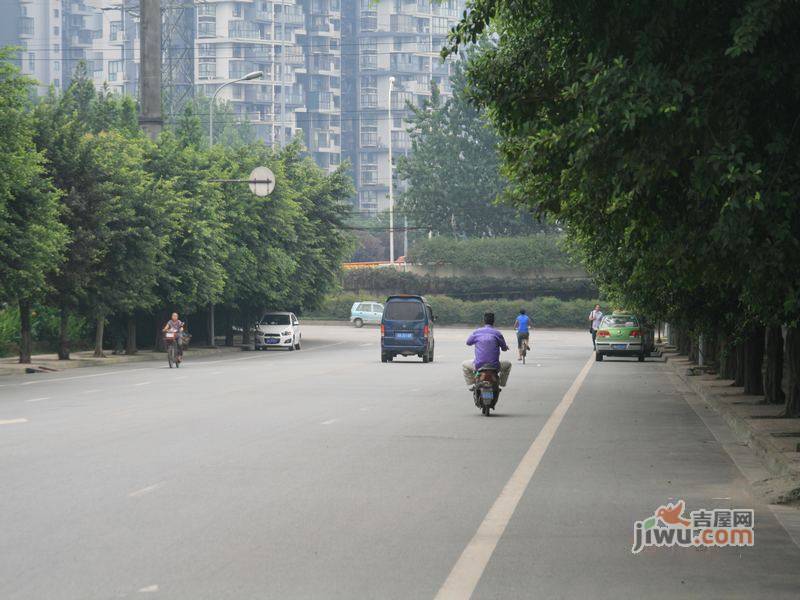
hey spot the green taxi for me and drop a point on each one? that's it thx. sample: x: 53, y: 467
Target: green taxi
x: 621, y: 334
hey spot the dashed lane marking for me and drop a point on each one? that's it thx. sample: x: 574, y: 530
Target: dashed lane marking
x: 12, y: 421
x: 38, y: 399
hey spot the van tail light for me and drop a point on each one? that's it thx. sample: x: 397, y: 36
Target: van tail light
x: 636, y: 333
x: 603, y: 333
x: 383, y: 330
x: 426, y: 330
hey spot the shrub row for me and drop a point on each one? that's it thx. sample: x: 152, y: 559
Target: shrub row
x: 519, y: 254
x: 44, y: 330
x: 545, y: 311
x: 381, y: 281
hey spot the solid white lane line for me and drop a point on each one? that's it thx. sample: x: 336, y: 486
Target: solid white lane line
x: 469, y: 568
x: 12, y: 421
x: 80, y: 377
x: 92, y: 391
x: 145, y: 490
x: 142, y: 383
x: 38, y: 399
x: 262, y: 355
x: 182, y: 377
x: 148, y: 589
x: 329, y: 422
x: 365, y: 345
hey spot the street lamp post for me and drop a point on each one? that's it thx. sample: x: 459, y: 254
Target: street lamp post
x: 391, y: 177
x: 248, y: 77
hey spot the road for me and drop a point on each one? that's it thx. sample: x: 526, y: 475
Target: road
x: 326, y: 474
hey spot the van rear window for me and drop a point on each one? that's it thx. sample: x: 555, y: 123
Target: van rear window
x: 404, y: 311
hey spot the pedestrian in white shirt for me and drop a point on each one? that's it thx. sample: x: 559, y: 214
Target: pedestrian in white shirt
x: 595, y: 317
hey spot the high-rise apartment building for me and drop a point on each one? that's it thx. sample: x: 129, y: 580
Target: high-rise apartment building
x: 391, y: 58
x: 328, y: 66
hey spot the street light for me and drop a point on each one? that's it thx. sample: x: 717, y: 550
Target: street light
x: 248, y: 77
x: 391, y: 177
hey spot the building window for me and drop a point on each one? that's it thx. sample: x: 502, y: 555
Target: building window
x: 56, y: 66
x: 55, y: 31
x: 207, y: 28
x: 114, y: 67
x: 368, y: 199
x: 207, y: 69
x: 116, y: 29
x: 207, y: 50
x: 206, y: 9
x: 237, y: 10
x: 369, y: 174
x: 55, y: 13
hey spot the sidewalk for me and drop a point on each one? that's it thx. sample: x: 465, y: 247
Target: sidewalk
x: 774, y: 439
x: 50, y: 362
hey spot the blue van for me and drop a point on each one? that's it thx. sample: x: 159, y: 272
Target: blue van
x: 407, y: 328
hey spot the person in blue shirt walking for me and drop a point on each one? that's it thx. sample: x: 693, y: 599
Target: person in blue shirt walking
x: 523, y: 328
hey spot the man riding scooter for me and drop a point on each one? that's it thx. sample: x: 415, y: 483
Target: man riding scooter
x: 488, y: 342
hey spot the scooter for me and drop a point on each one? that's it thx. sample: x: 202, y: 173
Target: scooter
x: 487, y: 389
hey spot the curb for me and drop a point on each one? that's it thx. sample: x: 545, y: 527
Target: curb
x: 778, y: 461
x: 54, y: 365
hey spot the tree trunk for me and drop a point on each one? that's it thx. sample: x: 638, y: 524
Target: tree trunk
x: 773, y: 380
x: 210, y: 325
x: 229, y: 328
x: 754, y: 361
x: 727, y: 354
x: 24, y: 332
x: 98, y: 337
x: 245, y: 328
x: 793, y: 360
x: 63, y: 334
x: 130, y: 343
x: 738, y: 380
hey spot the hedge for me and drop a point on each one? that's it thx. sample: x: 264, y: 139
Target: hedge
x: 384, y: 280
x: 538, y: 252
x: 44, y: 330
x: 545, y: 311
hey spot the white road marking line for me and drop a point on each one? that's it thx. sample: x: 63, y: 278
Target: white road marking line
x: 364, y: 408
x: 145, y: 490
x: 149, y: 589
x: 92, y: 391
x: 80, y: 377
x: 182, y: 377
x: 329, y: 422
x: 38, y: 399
x: 12, y: 421
x: 215, y: 373
x: 142, y: 383
x: 726, y: 498
x: 415, y: 390
x: 263, y: 355
x: 466, y: 573
x: 365, y: 345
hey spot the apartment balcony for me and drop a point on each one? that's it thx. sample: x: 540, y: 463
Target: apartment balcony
x: 292, y: 18
x: 26, y: 28
x: 292, y: 99
x: 368, y: 62
x: 264, y: 16
x: 294, y: 57
x: 82, y: 40
x: 321, y: 101
x: 242, y: 30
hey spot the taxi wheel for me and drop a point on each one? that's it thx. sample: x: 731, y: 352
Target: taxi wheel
x: 598, y: 357
x: 358, y: 322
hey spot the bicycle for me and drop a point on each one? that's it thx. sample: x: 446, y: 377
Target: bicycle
x: 172, y: 349
x: 523, y: 347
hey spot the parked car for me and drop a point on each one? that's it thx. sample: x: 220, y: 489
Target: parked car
x: 366, y: 312
x: 407, y: 328
x: 278, y: 330
x: 623, y: 334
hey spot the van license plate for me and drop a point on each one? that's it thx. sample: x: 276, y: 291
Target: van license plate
x: 405, y: 336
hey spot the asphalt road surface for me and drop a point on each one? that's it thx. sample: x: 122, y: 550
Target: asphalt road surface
x: 326, y: 474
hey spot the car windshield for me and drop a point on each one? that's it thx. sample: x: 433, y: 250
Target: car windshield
x: 275, y: 320
x: 620, y: 321
x: 404, y: 311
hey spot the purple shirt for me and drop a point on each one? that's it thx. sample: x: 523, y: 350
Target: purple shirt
x: 487, y: 341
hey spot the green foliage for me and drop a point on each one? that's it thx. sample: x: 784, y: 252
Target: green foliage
x: 669, y: 151
x: 453, y: 170
x: 523, y: 255
x: 31, y: 239
x: 545, y: 311
x: 387, y: 280
x: 44, y: 329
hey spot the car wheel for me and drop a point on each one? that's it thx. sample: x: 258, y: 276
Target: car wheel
x: 384, y: 358
x: 430, y: 357
x: 358, y: 322
x: 598, y: 357
x: 257, y: 348
x: 297, y: 345
x: 291, y: 346
x: 425, y: 357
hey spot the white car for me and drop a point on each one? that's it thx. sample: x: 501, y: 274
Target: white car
x: 278, y: 330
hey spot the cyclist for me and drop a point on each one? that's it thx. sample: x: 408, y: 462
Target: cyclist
x: 522, y: 327
x: 176, y: 326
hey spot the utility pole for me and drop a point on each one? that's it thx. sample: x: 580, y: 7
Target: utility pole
x: 391, y: 177
x: 150, y: 67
